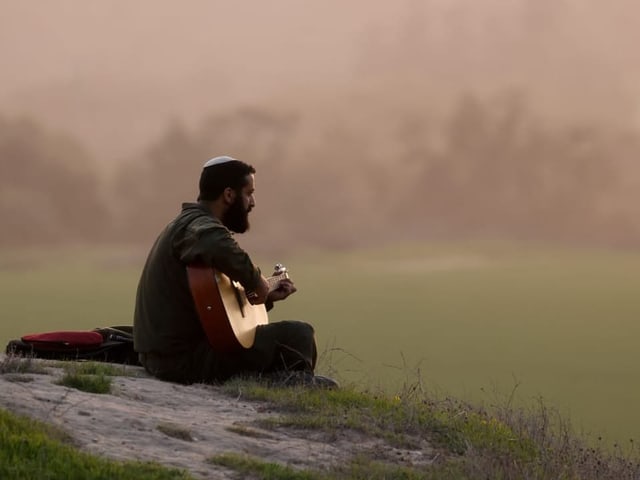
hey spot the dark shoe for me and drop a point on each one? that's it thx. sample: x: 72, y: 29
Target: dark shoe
x: 321, y: 381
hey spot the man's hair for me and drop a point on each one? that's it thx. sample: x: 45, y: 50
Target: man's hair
x: 215, y: 178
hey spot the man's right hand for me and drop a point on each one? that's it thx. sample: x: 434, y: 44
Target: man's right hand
x: 259, y: 295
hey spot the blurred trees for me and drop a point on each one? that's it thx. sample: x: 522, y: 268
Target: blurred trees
x: 489, y: 169
x: 49, y: 188
x: 150, y: 187
x: 501, y: 172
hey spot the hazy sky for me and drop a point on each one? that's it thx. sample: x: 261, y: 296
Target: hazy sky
x: 78, y: 63
x: 249, y: 43
x: 114, y: 72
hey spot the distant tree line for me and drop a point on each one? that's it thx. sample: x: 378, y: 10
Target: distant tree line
x: 490, y: 169
x: 500, y: 172
x: 49, y: 188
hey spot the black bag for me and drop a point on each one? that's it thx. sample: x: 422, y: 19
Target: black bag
x: 107, y: 344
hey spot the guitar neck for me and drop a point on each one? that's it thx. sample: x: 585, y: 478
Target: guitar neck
x: 275, y: 280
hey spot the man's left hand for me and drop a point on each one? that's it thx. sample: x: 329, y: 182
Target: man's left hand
x: 285, y: 288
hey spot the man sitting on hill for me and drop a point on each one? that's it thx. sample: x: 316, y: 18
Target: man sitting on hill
x: 168, y: 332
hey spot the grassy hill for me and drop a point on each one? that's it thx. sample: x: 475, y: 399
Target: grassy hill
x: 410, y: 435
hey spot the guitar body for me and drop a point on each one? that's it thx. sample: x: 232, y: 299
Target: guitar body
x: 228, y: 319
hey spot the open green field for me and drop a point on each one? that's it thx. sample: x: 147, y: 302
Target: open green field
x: 472, y: 321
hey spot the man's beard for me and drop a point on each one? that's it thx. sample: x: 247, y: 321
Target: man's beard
x: 237, y: 217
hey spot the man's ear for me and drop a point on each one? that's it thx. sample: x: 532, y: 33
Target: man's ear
x: 229, y: 195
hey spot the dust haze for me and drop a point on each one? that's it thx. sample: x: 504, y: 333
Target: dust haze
x: 368, y: 122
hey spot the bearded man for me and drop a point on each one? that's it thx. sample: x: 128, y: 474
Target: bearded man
x: 168, y: 333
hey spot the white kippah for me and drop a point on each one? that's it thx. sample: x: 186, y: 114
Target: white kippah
x: 218, y: 161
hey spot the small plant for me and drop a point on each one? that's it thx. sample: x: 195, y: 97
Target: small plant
x: 88, y: 377
x: 87, y: 383
x: 175, y: 431
x: 256, y: 468
x: 96, y: 368
x: 21, y: 364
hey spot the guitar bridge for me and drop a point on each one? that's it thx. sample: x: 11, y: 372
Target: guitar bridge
x: 239, y: 297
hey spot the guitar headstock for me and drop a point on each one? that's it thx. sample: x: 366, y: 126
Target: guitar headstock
x: 280, y: 271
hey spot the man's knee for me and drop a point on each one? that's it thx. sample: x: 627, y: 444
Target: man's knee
x: 298, y: 327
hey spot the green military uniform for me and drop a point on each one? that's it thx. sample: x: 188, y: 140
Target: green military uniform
x: 167, y: 331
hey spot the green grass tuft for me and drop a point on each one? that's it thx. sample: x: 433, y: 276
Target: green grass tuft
x: 21, y: 364
x: 249, y: 466
x: 88, y: 377
x: 30, y: 450
x: 87, y: 383
x: 95, y: 368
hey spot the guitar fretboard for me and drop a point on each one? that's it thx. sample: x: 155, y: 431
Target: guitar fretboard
x: 275, y: 281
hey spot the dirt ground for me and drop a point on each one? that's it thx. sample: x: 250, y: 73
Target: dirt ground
x: 176, y: 425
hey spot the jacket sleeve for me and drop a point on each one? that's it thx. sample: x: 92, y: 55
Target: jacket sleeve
x: 207, y: 241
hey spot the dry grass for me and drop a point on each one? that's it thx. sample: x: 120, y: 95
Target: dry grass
x: 463, y: 441
x: 22, y: 365
x: 175, y: 431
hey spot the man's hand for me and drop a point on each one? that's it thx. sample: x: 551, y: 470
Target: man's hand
x: 259, y: 295
x: 285, y: 288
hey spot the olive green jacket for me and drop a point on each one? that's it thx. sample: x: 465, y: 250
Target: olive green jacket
x: 165, y: 318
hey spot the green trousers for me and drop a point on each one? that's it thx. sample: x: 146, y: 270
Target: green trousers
x: 279, y: 346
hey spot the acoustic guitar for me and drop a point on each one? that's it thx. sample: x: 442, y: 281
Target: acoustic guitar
x: 228, y: 318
